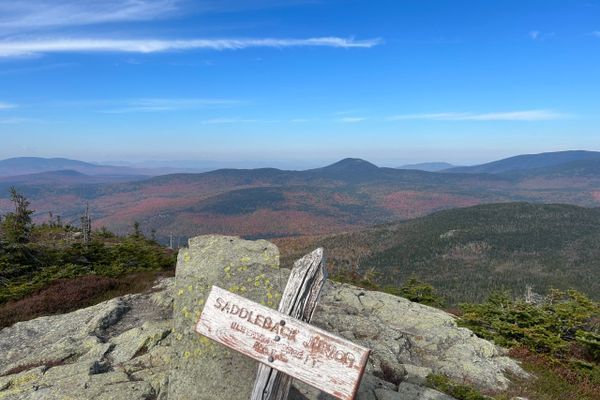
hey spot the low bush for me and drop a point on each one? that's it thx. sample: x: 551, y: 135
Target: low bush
x: 417, y: 291
x: 456, y: 390
x: 556, y: 339
x: 565, y: 319
x: 65, y: 295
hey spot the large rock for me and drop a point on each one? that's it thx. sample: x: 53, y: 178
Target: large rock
x: 118, y: 349
x: 411, y: 340
x: 249, y: 268
x: 126, y: 349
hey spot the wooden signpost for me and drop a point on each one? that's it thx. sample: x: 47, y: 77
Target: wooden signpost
x: 286, y: 346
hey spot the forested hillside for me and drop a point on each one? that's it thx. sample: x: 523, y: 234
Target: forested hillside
x: 467, y: 253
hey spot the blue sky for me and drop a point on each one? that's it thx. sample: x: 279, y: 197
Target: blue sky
x: 298, y: 81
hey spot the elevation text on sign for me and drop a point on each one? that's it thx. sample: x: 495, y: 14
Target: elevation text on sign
x: 327, y: 362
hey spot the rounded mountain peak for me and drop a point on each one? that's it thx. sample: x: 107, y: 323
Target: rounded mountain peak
x: 352, y: 164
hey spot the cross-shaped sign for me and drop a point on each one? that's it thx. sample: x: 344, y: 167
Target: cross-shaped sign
x: 281, y: 341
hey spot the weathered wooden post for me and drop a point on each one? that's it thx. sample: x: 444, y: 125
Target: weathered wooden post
x: 282, y: 341
x: 299, y: 301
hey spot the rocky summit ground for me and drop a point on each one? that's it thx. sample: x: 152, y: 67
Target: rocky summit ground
x: 132, y: 347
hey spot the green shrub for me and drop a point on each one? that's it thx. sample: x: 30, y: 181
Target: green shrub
x: 456, y: 390
x: 550, y: 328
x: 53, y: 254
x: 417, y: 291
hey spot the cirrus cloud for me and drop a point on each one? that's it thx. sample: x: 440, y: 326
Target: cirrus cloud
x: 6, y: 106
x: 21, y: 48
x: 351, y: 120
x: 168, y: 104
x: 526, y: 115
x: 534, y: 35
x: 16, y: 16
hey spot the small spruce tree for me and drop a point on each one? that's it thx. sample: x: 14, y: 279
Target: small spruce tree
x: 17, y: 225
x: 137, y: 232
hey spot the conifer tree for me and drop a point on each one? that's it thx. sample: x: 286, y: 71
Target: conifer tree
x: 17, y: 225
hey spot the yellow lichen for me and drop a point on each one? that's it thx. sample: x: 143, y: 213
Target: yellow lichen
x: 234, y: 289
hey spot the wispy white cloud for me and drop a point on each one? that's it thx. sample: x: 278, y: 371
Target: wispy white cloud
x: 16, y: 16
x: 346, y: 112
x: 236, y: 120
x: 351, y: 120
x: 300, y: 120
x: 215, y: 121
x: 536, y: 35
x: 527, y: 115
x: 165, y: 104
x: 6, y: 106
x: 30, y: 15
x: 13, y: 121
x: 20, y: 48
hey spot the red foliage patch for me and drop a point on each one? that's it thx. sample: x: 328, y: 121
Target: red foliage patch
x: 410, y: 204
x: 61, y: 296
x: 261, y: 222
x: 66, y: 295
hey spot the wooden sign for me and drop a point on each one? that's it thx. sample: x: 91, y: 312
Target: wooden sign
x: 327, y: 362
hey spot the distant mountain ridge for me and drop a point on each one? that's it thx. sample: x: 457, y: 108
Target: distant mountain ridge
x: 529, y: 162
x: 268, y: 202
x: 34, y: 165
x: 356, y: 167
x: 429, y: 166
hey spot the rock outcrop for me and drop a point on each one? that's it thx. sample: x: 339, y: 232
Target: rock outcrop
x: 249, y: 268
x: 118, y: 349
x: 143, y: 347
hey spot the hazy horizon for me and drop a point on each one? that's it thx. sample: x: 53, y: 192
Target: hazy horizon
x: 290, y: 164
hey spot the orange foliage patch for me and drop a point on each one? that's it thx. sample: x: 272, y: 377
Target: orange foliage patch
x: 410, y: 204
x: 260, y: 223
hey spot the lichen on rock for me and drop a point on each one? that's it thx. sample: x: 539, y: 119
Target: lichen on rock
x: 248, y: 268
